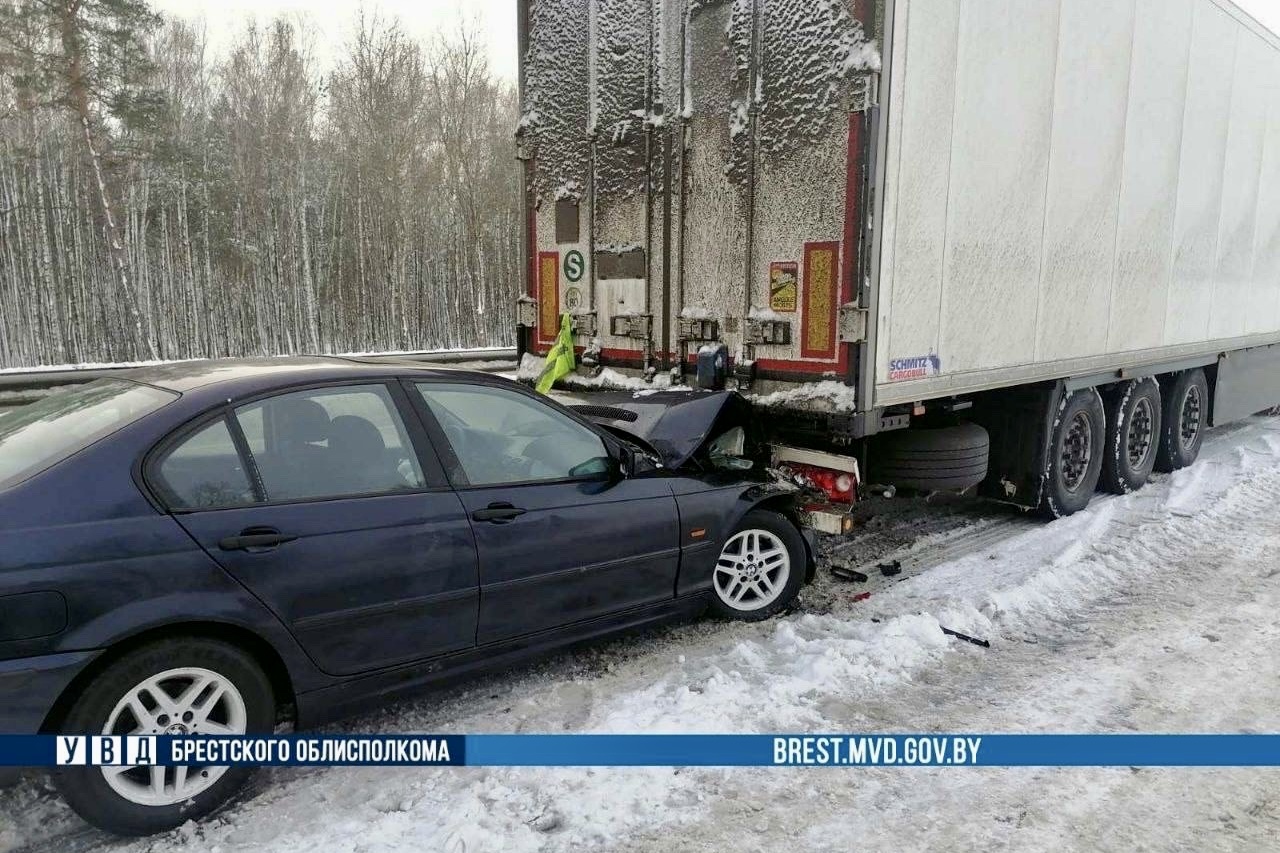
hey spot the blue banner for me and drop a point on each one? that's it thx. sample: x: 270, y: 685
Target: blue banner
x: 816, y: 750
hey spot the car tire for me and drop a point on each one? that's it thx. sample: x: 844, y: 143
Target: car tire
x: 236, y: 696
x: 760, y: 569
x: 936, y: 459
x: 1133, y: 435
x: 1075, y: 454
x: 1185, y: 417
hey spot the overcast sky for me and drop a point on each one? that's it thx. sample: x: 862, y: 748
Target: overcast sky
x: 496, y: 18
x: 333, y: 19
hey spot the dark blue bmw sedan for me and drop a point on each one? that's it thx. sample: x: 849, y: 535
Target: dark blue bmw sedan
x: 223, y: 546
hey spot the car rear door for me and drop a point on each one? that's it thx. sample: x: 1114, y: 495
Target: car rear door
x: 560, y: 537
x: 330, y: 506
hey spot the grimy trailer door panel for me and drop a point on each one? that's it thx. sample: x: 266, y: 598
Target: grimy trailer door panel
x: 697, y: 161
x: 1072, y: 187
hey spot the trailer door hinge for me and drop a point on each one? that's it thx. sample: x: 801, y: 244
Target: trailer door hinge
x: 865, y: 92
x: 526, y: 311
x: 853, y: 324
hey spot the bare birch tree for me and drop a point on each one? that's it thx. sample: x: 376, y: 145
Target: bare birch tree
x: 156, y: 200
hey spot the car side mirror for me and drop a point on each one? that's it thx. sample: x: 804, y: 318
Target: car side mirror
x: 622, y: 461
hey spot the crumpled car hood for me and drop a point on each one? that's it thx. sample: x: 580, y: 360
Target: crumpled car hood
x: 676, y: 424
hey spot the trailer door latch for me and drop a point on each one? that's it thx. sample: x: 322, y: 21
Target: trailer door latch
x: 639, y: 326
x: 768, y: 332
x: 693, y: 329
x: 853, y: 324
x: 584, y: 323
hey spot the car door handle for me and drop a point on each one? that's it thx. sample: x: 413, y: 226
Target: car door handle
x: 255, y: 537
x: 498, y: 513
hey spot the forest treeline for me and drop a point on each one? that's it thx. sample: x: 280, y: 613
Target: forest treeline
x: 157, y: 201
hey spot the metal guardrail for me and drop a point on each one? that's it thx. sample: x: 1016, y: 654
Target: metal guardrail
x: 24, y: 386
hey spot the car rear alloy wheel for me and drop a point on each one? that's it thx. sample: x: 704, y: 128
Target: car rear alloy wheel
x: 174, y: 686
x: 760, y: 569
x: 184, y: 701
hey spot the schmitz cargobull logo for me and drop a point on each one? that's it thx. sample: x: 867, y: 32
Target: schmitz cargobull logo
x: 915, y: 367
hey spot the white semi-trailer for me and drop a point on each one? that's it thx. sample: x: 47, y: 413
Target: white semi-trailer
x: 1028, y: 243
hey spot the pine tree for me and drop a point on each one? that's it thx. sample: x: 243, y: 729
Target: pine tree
x: 86, y: 57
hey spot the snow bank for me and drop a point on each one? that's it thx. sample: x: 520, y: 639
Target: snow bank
x: 88, y: 365
x: 814, y: 396
x: 531, y: 367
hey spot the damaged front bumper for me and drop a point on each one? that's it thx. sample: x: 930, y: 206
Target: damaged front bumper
x: 833, y: 519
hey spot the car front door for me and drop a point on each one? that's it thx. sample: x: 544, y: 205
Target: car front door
x: 561, y: 537
x: 324, y: 504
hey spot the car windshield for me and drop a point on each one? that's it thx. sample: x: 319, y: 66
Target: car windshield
x: 40, y: 434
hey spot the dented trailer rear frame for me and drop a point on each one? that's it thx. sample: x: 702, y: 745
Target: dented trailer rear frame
x: 989, y: 219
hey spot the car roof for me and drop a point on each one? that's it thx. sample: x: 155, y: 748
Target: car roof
x: 236, y: 376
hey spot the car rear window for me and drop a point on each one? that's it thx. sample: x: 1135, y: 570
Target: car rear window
x: 40, y: 434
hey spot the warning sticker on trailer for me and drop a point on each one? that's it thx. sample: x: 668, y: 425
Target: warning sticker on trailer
x: 915, y: 367
x: 783, y: 286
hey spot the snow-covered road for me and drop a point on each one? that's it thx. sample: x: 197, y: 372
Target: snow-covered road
x: 1154, y: 612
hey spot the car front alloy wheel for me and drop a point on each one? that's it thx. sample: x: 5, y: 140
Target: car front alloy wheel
x: 760, y: 568
x: 752, y: 570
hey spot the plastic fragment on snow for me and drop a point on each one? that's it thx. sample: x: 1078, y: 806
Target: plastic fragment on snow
x: 845, y: 573
x: 986, y: 644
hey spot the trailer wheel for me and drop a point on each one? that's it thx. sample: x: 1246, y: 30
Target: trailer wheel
x: 933, y: 460
x: 1186, y: 415
x: 1133, y: 435
x: 1075, y: 454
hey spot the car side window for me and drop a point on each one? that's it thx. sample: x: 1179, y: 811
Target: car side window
x: 503, y: 436
x: 205, y: 470
x: 330, y: 442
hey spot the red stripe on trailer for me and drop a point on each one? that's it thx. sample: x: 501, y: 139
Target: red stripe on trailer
x: 548, y: 296
x: 862, y: 14
x: 607, y: 352
x: 821, y: 297
x: 794, y: 365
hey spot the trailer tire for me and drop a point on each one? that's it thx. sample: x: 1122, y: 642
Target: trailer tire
x: 1185, y: 417
x: 1075, y: 454
x: 1133, y: 435
x: 933, y: 460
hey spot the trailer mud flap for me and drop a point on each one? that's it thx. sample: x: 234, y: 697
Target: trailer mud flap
x: 1247, y: 381
x: 1020, y: 422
